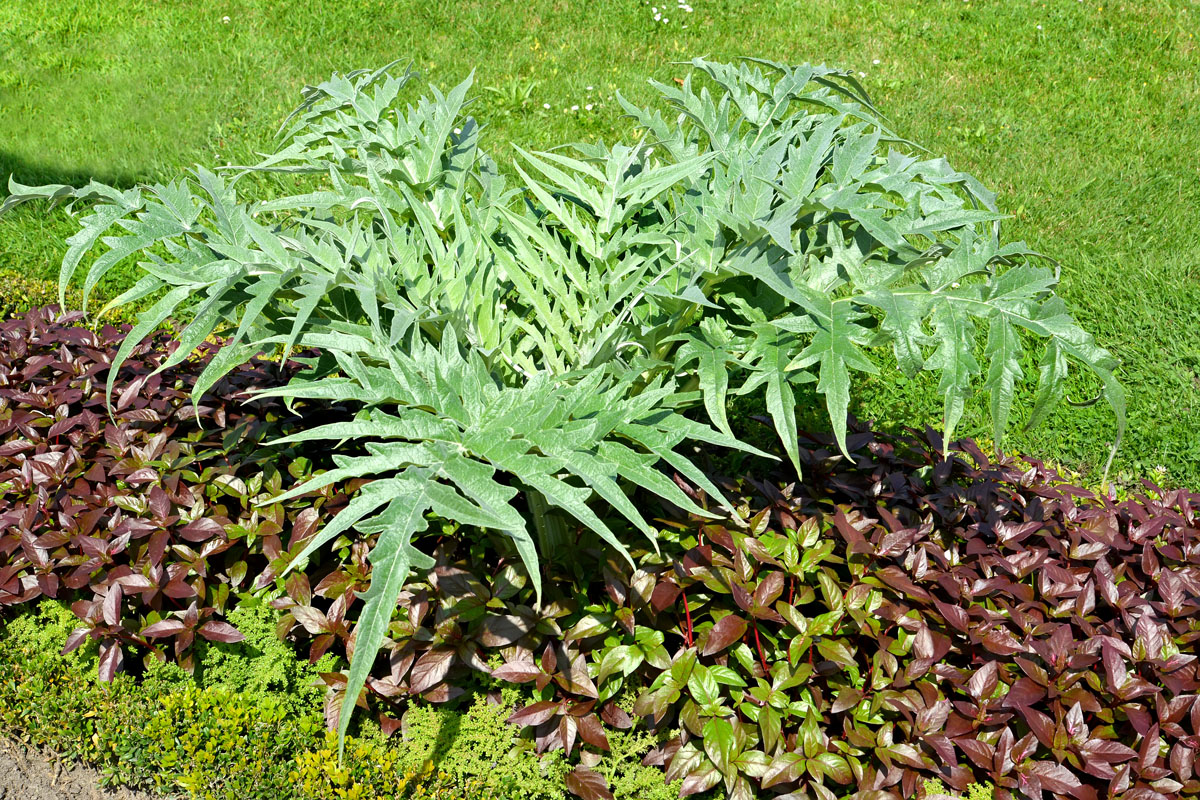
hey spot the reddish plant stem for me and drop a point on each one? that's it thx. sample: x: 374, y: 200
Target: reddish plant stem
x: 687, y: 614
x: 761, y: 657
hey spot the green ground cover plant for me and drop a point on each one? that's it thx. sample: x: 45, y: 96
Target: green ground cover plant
x: 1082, y: 125
x: 20, y: 293
x: 226, y: 733
x: 540, y: 342
x: 936, y: 790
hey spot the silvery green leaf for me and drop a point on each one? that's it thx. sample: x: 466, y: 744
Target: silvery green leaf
x: 1004, y: 371
x: 835, y: 349
x: 392, y: 560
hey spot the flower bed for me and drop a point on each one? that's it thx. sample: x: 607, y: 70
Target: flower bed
x: 499, y: 485
x: 897, y: 616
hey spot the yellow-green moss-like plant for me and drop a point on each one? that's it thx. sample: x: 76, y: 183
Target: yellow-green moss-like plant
x: 248, y: 727
x: 20, y: 293
x: 936, y: 790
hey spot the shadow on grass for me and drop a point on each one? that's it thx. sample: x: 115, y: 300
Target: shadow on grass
x: 36, y: 173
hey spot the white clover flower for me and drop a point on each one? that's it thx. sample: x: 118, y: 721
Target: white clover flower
x: 1039, y: 27
x: 545, y: 105
x: 876, y: 61
x: 457, y: 131
x: 225, y: 20
x: 588, y: 107
x: 574, y: 108
x: 590, y: 88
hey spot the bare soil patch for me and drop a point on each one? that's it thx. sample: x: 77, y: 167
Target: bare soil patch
x: 30, y: 774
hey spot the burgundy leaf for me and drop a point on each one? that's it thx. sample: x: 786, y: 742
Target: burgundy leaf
x: 112, y: 605
x: 575, y: 679
x: 978, y: 751
x: 846, y: 699
x: 588, y: 784
x: 534, y: 713
x: 1114, y: 667
x: 167, y: 627
x: 1054, y: 777
x: 769, y: 589
x: 216, y: 631
x: 1023, y: 693
x: 502, y: 630
x: 700, y: 780
x: 592, y: 732
x: 313, y: 620
x: 955, y: 615
x: 429, y: 670
x: 983, y: 682
x: 75, y: 639
x: 932, y: 718
x: 728, y: 630
x: 111, y: 659
x: 1102, y: 750
x: 665, y: 594
x: 201, y: 530
x: 517, y: 671
x: 1002, y: 643
x: 615, y: 716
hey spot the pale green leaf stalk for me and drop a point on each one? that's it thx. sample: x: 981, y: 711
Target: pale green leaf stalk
x: 526, y: 352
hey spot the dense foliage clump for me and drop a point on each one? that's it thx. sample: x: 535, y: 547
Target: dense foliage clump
x: 523, y: 353
x: 214, y: 738
x: 896, y: 617
x: 151, y: 520
x: 901, y: 614
x: 21, y: 293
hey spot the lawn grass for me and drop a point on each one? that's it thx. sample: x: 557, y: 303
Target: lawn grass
x: 1081, y: 115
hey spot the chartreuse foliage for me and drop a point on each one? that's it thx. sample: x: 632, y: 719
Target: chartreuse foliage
x: 249, y: 727
x: 523, y: 346
x: 934, y: 790
x: 21, y: 293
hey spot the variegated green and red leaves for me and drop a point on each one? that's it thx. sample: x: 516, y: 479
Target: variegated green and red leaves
x: 146, y: 518
x: 900, y: 616
x: 1057, y: 606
